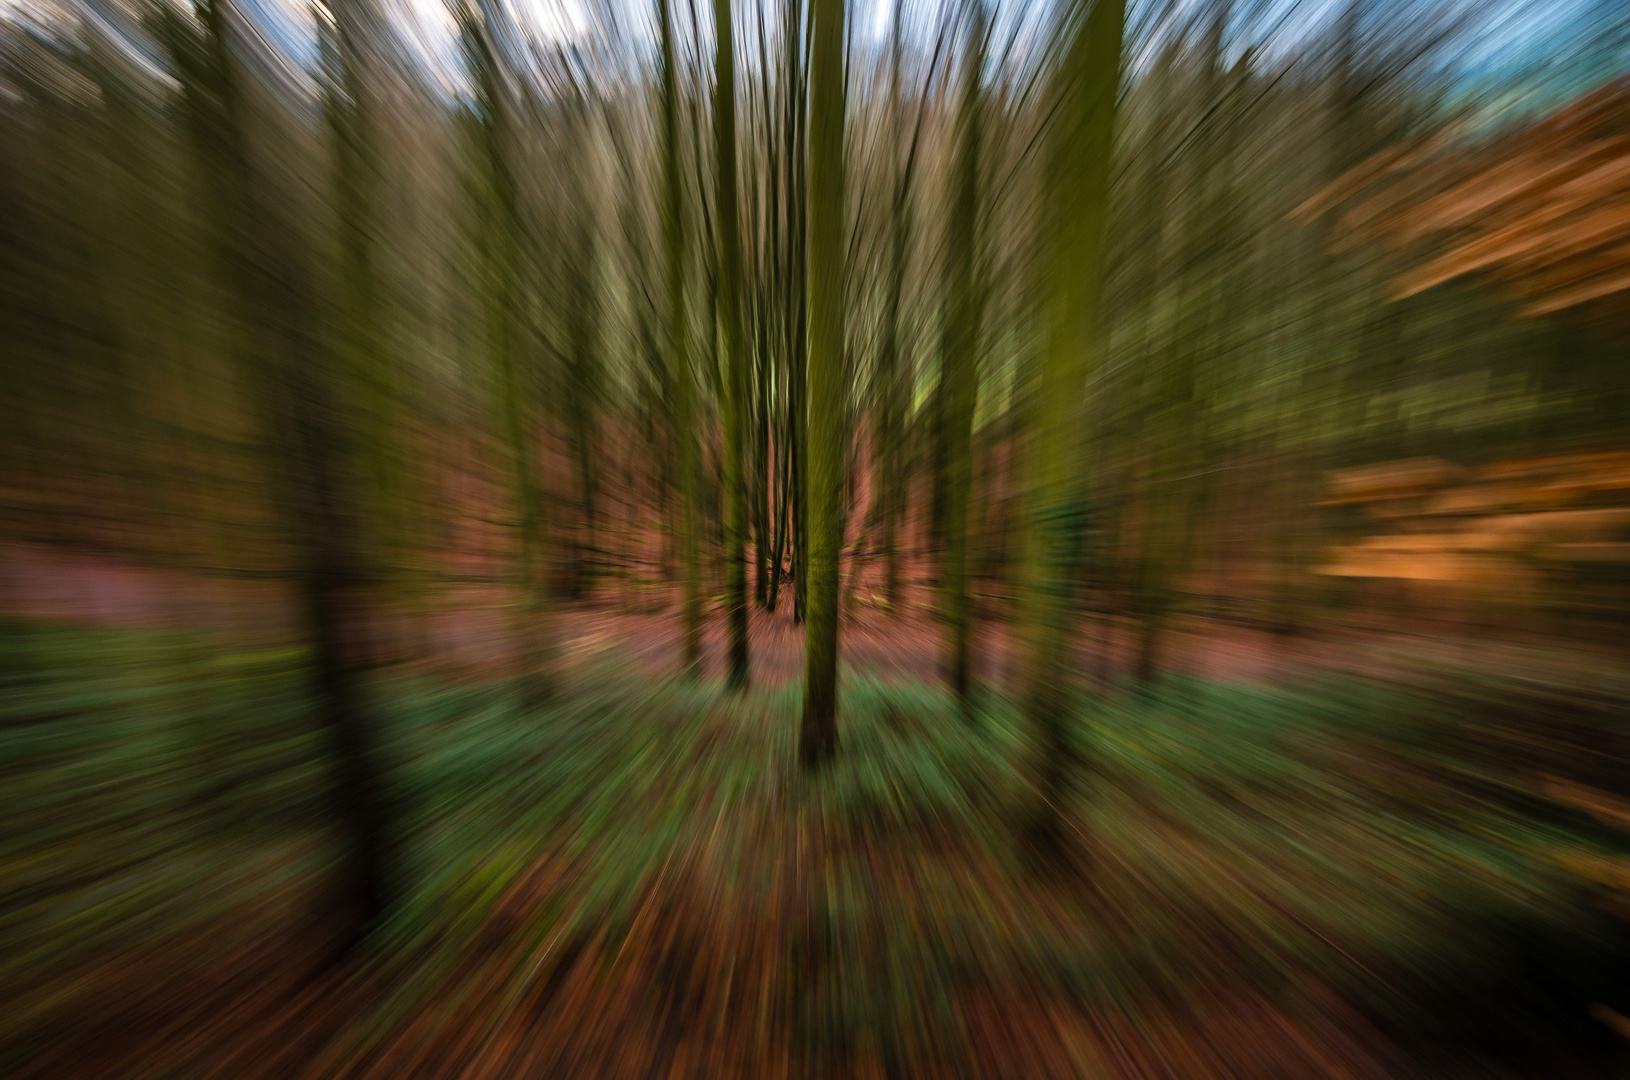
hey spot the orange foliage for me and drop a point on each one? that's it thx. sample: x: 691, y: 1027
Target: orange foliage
x: 1543, y: 213
x: 1499, y: 527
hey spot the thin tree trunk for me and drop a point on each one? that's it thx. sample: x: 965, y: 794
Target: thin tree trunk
x: 797, y: 283
x: 583, y: 364
x: 959, y: 375
x: 1178, y: 432
x: 679, y: 367
x: 760, y: 478
x: 733, y: 397
x: 851, y: 581
x: 887, y: 457
x: 937, y: 455
x: 783, y: 485
x: 772, y: 296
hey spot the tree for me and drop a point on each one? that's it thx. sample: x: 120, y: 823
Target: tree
x: 582, y: 354
x: 1077, y: 194
x: 682, y: 384
x: 959, y: 373
x: 828, y: 438
x: 259, y: 247
x: 500, y: 241
x: 733, y: 401
x: 796, y: 282
x: 888, y: 460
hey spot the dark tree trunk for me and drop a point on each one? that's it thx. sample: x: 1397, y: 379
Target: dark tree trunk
x: 828, y: 435
x: 260, y: 251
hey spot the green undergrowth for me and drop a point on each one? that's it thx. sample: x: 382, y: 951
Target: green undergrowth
x: 1385, y: 846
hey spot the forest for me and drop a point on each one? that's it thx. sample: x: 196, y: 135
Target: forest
x: 814, y: 538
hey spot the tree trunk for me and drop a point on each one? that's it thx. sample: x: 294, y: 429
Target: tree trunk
x: 783, y: 486
x: 760, y: 478
x: 959, y: 375
x: 261, y: 255
x: 886, y: 459
x: 679, y: 367
x: 1078, y: 174
x: 827, y: 239
x: 797, y: 282
x: 501, y: 242
x: 582, y: 383
x: 733, y: 374
x: 583, y: 360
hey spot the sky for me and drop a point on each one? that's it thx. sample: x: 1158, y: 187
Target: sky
x: 1544, y: 40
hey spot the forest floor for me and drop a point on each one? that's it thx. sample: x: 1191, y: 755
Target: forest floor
x: 912, y: 645
x: 467, y: 631
x: 1277, y: 866
x: 1251, y: 890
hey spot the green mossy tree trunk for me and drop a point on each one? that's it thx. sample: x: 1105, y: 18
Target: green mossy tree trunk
x: 1078, y: 174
